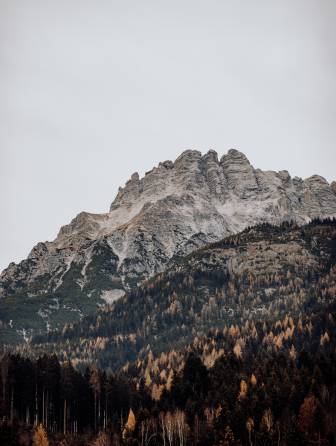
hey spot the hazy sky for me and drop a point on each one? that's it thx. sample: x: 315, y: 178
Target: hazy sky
x: 92, y: 91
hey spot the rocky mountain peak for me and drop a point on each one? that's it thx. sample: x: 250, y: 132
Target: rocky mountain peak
x: 183, y: 175
x: 173, y: 209
x: 211, y: 154
x: 234, y: 156
x: 135, y: 177
x: 333, y: 186
x: 188, y: 155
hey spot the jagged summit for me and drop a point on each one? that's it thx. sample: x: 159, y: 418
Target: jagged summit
x: 232, y: 173
x: 173, y: 209
x: 189, y: 159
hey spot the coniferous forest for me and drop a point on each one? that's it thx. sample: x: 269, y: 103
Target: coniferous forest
x: 258, y: 396
x: 224, y: 358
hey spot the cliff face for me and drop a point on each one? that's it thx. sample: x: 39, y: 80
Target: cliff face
x: 174, y: 209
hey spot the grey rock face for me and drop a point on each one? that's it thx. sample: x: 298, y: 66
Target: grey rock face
x: 333, y: 186
x: 175, y: 208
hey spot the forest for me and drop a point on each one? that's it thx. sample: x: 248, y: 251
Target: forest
x: 261, y: 384
x: 210, y: 352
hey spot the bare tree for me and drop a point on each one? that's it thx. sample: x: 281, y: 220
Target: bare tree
x: 182, y: 427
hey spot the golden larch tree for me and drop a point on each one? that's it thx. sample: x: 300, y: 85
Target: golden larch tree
x: 130, y: 425
x: 243, y: 390
x: 253, y: 380
x: 40, y: 437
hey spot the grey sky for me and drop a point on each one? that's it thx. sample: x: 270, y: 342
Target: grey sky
x: 93, y: 91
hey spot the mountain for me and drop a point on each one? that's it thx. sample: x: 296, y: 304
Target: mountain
x: 263, y: 274
x: 174, y: 209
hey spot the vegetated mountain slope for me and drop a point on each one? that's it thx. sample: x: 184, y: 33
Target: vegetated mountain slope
x: 174, y: 209
x: 264, y: 383
x: 249, y: 347
x: 263, y: 273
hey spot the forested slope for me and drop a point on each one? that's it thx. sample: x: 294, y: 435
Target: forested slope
x: 262, y: 383
x: 263, y: 273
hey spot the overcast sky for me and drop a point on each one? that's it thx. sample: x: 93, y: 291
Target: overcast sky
x: 92, y: 91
